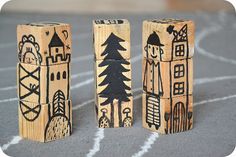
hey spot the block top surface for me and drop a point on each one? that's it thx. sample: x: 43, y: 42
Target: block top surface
x: 43, y: 24
x: 107, y: 22
x: 44, y: 43
x: 168, y: 39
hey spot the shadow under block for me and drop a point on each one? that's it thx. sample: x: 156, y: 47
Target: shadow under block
x: 45, y: 122
x: 168, y: 79
x: 46, y: 43
x: 112, y: 77
x: 112, y: 113
x: 168, y: 39
x: 111, y: 36
x: 167, y: 116
x: 43, y: 84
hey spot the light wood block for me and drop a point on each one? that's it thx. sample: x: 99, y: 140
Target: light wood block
x: 45, y: 43
x: 41, y: 84
x: 111, y: 37
x: 112, y: 77
x: 168, y: 39
x: 167, y: 116
x: 114, y: 111
x: 45, y: 122
x: 168, y: 79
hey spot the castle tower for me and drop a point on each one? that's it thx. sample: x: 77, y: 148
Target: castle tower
x: 167, y: 63
x: 45, y: 108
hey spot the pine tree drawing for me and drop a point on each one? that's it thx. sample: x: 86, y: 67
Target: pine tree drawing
x: 114, y: 75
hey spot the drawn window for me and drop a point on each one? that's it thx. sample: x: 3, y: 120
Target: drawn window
x: 58, y: 76
x: 57, y: 50
x: 178, y: 88
x: 179, y: 71
x: 64, y: 75
x: 52, y: 76
x: 179, y: 50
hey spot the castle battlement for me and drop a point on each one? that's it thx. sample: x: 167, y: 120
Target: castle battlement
x: 58, y: 58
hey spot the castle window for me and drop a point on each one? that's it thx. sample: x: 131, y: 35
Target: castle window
x: 57, y: 50
x: 58, y: 76
x: 179, y: 50
x: 179, y: 70
x: 64, y: 75
x: 178, y: 88
x: 52, y: 76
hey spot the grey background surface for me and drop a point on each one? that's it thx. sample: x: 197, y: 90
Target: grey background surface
x: 214, y: 132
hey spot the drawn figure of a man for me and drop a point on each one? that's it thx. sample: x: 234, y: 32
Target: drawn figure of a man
x: 152, y: 83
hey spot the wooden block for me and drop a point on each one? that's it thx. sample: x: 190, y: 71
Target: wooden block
x: 111, y: 39
x: 45, y: 122
x: 43, y: 84
x: 168, y: 79
x: 45, y: 43
x: 112, y: 77
x: 168, y: 39
x: 167, y: 116
x: 114, y: 111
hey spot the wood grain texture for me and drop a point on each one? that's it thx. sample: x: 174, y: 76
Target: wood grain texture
x: 168, y: 39
x: 176, y: 114
x: 102, y: 30
x: 39, y: 84
x: 45, y: 122
x: 44, y: 43
x: 166, y: 78
x: 116, y: 114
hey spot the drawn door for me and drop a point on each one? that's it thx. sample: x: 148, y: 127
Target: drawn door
x: 179, y: 117
x: 59, y: 124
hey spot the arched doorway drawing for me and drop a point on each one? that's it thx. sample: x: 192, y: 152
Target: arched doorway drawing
x: 179, y: 117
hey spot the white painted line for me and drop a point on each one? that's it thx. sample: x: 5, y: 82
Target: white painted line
x: 89, y: 81
x: 2, y: 154
x: 82, y: 74
x: 201, y: 51
x: 15, y: 140
x: 215, y: 100
x: 81, y: 58
x: 83, y: 104
x: 98, y: 138
x: 213, y: 79
x: 8, y: 88
x: 8, y: 100
x: 147, y: 145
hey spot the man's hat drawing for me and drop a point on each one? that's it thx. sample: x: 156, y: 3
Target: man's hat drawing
x: 154, y: 39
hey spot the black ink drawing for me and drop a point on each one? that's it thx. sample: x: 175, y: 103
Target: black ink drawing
x: 29, y: 50
x: 115, y: 79
x: 127, y: 122
x: 152, y: 83
x: 104, y: 121
x: 65, y: 33
x: 180, y: 42
x: 29, y: 83
x: 179, y: 118
x: 57, y: 49
x: 58, y: 124
x: 153, y: 48
x: 108, y: 22
x: 29, y: 113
